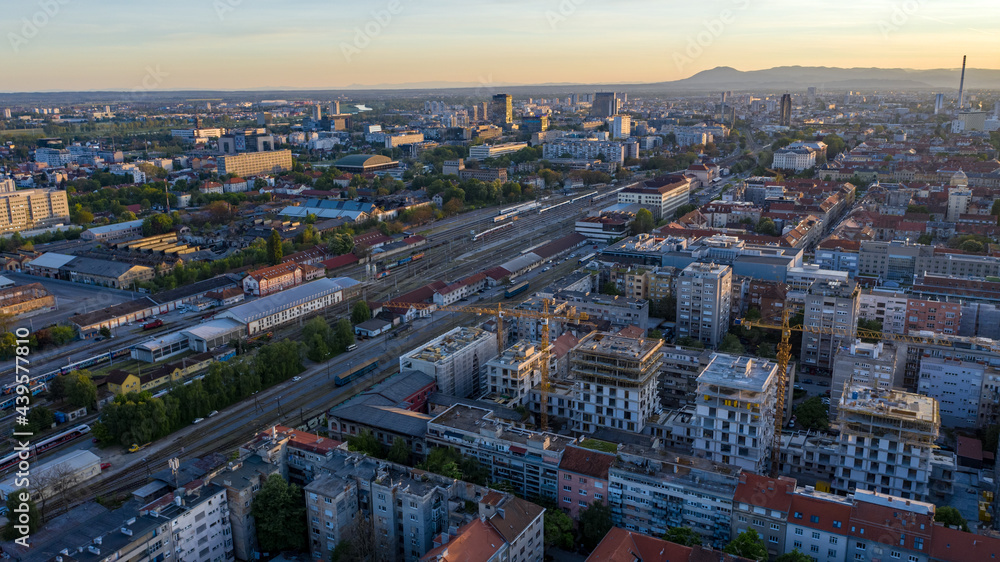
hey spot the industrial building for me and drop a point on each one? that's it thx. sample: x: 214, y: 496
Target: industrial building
x: 281, y: 308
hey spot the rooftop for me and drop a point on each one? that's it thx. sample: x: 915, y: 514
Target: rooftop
x: 442, y: 347
x: 272, y: 304
x: 738, y: 372
x: 861, y: 399
x: 483, y: 422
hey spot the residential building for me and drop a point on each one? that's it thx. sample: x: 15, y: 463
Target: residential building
x: 764, y: 505
x: 508, y: 528
x: 501, y: 110
x: 487, y: 175
x: 886, y: 442
x: 769, y: 298
x: 958, y: 202
x: 958, y: 386
x: 399, y: 139
x: 620, y: 311
x: 933, y: 316
x: 590, y: 149
x: 662, y: 196
x: 484, y: 151
x: 818, y: 525
x: 679, y: 374
x: 875, y: 365
x: 621, y: 127
x: 735, y: 410
x: 888, y: 309
x: 256, y: 163
x: 884, y: 527
x: 267, y: 280
x: 32, y: 208
x: 785, y: 118
x: 829, y: 305
x: 266, y: 313
x: 704, y: 292
x: 652, y: 490
x: 620, y: 544
x: 198, y: 514
x: 456, y: 359
x: 242, y: 481
x: 511, y: 375
x: 606, y: 104
x: 616, y: 381
x: 527, y: 460
x: 583, y: 479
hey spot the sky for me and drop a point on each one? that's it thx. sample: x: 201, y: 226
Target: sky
x: 68, y: 45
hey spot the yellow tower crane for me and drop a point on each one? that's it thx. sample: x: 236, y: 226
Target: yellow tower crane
x: 545, y: 317
x: 785, y: 355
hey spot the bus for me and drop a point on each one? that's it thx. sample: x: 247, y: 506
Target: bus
x: 515, y: 290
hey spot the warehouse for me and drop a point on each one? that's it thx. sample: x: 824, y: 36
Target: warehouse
x: 278, y: 309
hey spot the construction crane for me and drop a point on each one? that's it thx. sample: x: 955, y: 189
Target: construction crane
x: 784, y: 355
x: 545, y: 317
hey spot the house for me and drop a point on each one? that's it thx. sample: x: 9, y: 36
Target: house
x: 372, y: 328
x: 272, y: 279
x: 226, y: 297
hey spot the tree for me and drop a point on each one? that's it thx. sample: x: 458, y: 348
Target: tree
x: 343, y: 335
x: 731, y: 344
x: 367, y: 443
x: 595, y: 522
x: 81, y: 390
x: 767, y: 227
x: 870, y: 325
x: 40, y: 418
x: 274, y: 252
x: 643, y: 222
x: 813, y: 414
x: 105, y: 332
x: 684, y: 209
x: 14, y: 510
x: 793, y: 556
x: 688, y: 341
x: 951, y: 517
x: 558, y: 530
x: 157, y: 224
x: 748, y: 544
x: 399, y: 453
x: 610, y: 288
x: 341, y: 244
x: 683, y: 535
x: 279, y: 511
x: 972, y: 247
x: 360, y: 313
x: 62, y: 335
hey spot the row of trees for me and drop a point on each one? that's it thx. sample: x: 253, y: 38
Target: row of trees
x: 52, y: 336
x: 324, y: 341
x: 140, y: 418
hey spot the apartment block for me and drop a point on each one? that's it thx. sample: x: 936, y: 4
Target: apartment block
x: 889, y: 309
x: 876, y: 365
x: 818, y: 525
x: 829, y: 305
x: 704, y: 292
x: 511, y: 375
x: 653, y: 490
x: 770, y: 298
x: 958, y: 387
x: 456, y: 360
x: 198, y: 514
x: 764, y: 504
x: 507, y: 529
x: 735, y: 409
x: 256, y: 163
x: 583, y: 479
x: 618, y: 310
x: 934, y: 316
x: 242, y: 481
x: 679, y: 374
x: 591, y: 149
x: 662, y: 196
x: 886, y: 442
x: 527, y: 460
x: 890, y: 528
x: 616, y: 381
x: 31, y: 208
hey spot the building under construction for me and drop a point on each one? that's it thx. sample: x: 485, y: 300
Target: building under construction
x: 456, y: 360
x: 616, y: 381
x: 886, y: 442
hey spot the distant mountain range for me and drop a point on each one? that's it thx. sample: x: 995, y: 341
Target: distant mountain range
x: 777, y: 79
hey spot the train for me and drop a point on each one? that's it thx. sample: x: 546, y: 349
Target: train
x: 515, y: 290
x: 492, y: 231
x: 45, y: 445
x: 587, y: 258
x: 362, y: 370
x: 404, y: 261
x: 550, y: 207
x: 519, y: 208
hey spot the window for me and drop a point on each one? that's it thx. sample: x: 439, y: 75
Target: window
x: 894, y: 553
x: 774, y: 527
x: 567, y: 488
x: 798, y: 531
x: 797, y: 544
x: 814, y: 549
x: 833, y: 540
x: 837, y: 524
x: 918, y: 543
x: 598, y: 496
x: 798, y: 515
x: 860, y: 546
x: 815, y: 535
x: 814, y: 518
x: 913, y: 558
x: 742, y: 518
x: 831, y: 553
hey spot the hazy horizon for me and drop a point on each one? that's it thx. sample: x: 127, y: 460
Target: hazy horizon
x: 65, y: 45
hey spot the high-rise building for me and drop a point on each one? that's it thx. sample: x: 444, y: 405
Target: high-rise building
x: 886, y: 442
x: 876, y: 365
x: 958, y: 203
x: 317, y: 112
x: 621, y: 127
x: 786, y: 110
x: 256, y: 163
x: 511, y: 375
x: 29, y: 208
x: 828, y: 304
x: 616, y: 381
x: 456, y: 360
x: 606, y: 104
x: 957, y: 383
x: 335, y: 107
x: 938, y: 103
x: 704, y: 292
x: 734, y: 412
x: 6, y: 113
x: 502, y: 109
x: 484, y: 110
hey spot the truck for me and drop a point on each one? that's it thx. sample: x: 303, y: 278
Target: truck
x: 154, y: 324
x: 135, y: 448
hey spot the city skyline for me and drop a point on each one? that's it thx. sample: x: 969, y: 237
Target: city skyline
x: 242, y: 44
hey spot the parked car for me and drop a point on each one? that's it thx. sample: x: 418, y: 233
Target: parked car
x: 105, y: 465
x: 212, y: 413
x: 296, y: 379
x: 808, y: 381
x: 198, y: 420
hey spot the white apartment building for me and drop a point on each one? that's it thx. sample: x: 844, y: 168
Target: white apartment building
x: 734, y: 412
x: 456, y: 359
x: 957, y: 385
x: 616, y: 381
x: 887, y: 308
x: 590, y: 149
x: 511, y: 375
x: 876, y: 365
x: 199, y: 522
x: 886, y: 442
x: 704, y: 294
x: 484, y: 151
x: 958, y: 203
x: 662, y: 195
x: 831, y: 305
x: 621, y: 127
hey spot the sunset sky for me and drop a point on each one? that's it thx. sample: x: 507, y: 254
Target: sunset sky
x: 247, y: 44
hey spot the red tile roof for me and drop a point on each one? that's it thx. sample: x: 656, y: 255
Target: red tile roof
x: 476, y: 541
x: 969, y: 448
x: 620, y: 545
x: 826, y: 512
x: 761, y: 491
x: 587, y: 462
x: 340, y: 261
x: 953, y: 545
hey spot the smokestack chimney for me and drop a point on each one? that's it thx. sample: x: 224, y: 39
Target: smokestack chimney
x: 961, y: 86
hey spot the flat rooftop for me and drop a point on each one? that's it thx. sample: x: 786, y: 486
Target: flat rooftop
x: 889, y: 403
x: 621, y: 346
x: 738, y: 372
x: 481, y: 421
x: 450, y: 343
